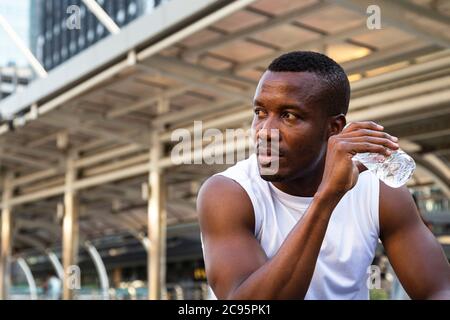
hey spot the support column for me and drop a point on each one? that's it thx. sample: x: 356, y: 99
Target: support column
x: 6, y: 237
x: 156, y: 223
x: 70, y: 230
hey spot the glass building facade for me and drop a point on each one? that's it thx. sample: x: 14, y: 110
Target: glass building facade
x: 55, y: 40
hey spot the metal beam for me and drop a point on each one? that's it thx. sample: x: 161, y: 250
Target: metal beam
x: 31, y: 241
x: 401, y: 107
x: 415, y: 70
x: 439, y: 165
x: 29, y: 276
x: 6, y: 237
x: 390, y: 13
x: 422, y: 11
x: 186, y: 68
x: 100, y: 267
x: 194, y: 27
x: 56, y: 265
x: 25, y: 160
x: 37, y: 224
x: 434, y: 172
x: 35, y: 64
x: 326, y: 39
x: 405, y: 51
x: 147, y: 102
x: 248, y: 32
x: 107, y: 155
x: 102, y: 16
x: 399, y: 93
x: 78, y: 125
x: 428, y: 135
x: 195, y: 78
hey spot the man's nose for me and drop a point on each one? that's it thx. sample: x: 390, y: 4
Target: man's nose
x: 268, y: 131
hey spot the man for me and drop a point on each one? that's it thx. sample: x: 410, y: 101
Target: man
x: 309, y: 229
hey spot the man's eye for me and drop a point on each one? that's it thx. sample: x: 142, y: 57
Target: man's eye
x: 259, y: 112
x: 289, y: 116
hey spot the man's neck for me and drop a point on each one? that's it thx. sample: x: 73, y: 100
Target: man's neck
x: 305, y: 186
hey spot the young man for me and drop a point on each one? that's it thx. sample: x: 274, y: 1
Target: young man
x: 309, y: 230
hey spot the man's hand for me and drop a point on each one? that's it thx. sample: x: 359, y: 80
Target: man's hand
x: 341, y: 173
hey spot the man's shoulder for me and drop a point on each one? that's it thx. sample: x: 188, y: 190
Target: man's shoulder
x: 241, y: 170
x: 222, y: 201
x: 397, y: 208
x: 220, y: 188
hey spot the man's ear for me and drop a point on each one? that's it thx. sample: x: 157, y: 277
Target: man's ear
x: 336, y: 124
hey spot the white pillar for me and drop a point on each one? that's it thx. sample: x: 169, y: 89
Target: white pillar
x: 6, y: 237
x: 70, y: 229
x: 156, y: 223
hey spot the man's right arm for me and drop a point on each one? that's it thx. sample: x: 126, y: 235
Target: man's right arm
x: 236, y: 265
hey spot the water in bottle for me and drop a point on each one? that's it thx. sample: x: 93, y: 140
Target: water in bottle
x: 394, y: 170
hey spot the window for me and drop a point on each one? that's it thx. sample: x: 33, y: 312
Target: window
x: 64, y: 52
x: 121, y: 16
x: 132, y: 9
x: 90, y: 35
x: 82, y: 11
x: 100, y: 29
x: 56, y: 57
x: 81, y: 41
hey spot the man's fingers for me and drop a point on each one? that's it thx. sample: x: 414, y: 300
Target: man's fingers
x: 388, y: 143
x: 370, y: 147
x: 368, y: 132
x: 362, y: 125
x: 362, y: 147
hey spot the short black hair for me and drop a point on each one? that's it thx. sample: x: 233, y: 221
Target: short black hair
x: 336, y: 90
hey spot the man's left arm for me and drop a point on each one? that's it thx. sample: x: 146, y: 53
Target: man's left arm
x: 415, y: 254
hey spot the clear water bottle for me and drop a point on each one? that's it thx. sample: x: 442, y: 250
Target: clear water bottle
x: 394, y: 170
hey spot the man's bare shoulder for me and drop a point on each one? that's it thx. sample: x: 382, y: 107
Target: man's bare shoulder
x: 397, y: 209
x: 222, y: 201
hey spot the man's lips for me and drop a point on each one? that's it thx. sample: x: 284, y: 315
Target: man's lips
x: 267, y: 156
x: 269, y: 152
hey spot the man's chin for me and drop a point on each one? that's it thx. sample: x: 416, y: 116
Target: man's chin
x: 272, y: 178
x: 271, y: 174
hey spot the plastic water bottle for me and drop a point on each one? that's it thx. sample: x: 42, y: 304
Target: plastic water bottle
x: 394, y: 170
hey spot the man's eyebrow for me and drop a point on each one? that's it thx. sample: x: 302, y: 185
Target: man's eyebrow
x: 258, y: 103
x: 292, y: 106
x: 295, y: 106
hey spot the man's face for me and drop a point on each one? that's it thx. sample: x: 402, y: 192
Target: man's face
x: 287, y: 102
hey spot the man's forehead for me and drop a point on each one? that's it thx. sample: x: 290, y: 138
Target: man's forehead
x: 288, y: 81
x: 297, y: 85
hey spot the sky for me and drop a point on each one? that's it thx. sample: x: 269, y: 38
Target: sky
x: 16, y: 12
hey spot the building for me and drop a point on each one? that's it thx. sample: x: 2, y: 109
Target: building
x: 13, y: 79
x: 54, y: 41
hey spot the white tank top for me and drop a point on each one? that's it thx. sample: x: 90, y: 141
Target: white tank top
x: 348, y: 249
